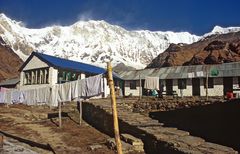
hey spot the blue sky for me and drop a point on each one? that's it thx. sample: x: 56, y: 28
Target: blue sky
x: 195, y: 16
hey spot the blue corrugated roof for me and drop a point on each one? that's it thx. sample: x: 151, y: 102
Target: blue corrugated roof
x: 69, y: 64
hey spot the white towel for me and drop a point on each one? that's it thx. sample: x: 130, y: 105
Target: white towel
x: 2, y: 97
x: 43, y: 95
x: 64, y: 92
x: 15, y: 96
x: 94, y: 85
x: 8, y: 97
x: 82, y: 88
x: 151, y: 83
x: 53, y: 101
x: 74, y: 89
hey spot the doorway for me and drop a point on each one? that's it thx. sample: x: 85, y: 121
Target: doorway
x: 195, y: 86
x: 227, y: 85
x: 169, y: 86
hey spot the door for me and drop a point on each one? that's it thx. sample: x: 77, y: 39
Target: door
x: 169, y: 86
x: 195, y: 86
x: 227, y: 85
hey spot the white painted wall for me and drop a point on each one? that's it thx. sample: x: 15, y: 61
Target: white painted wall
x: 134, y: 92
x: 35, y: 63
x: 187, y: 91
x: 21, y: 79
x: 217, y: 89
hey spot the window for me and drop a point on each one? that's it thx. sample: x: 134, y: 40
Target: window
x: 182, y: 83
x: 37, y: 76
x: 238, y: 81
x: 210, y: 83
x: 133, y: 85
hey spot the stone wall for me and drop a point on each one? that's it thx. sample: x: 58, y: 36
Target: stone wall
x: 156, y: 138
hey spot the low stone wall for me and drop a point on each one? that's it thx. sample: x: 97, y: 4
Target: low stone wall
x: 156, y: 138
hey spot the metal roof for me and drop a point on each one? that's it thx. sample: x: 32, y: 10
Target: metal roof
x: 61, y: 63
x: 69, y: 64
x: 7, y: 82
x: 181, y: 72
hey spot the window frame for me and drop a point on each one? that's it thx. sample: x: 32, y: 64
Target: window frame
x: 182, y: 83
x: 210, y: 82
x: 133, y: 84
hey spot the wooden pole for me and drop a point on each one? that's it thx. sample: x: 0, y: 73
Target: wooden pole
x: 114, y: 109
x: 207, y: 83
x: 80, y: 112
x: 140, y: 87
x: 60, y: 114
x: 1, y: 141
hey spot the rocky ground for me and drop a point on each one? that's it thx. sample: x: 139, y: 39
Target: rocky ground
x: 31, y: 125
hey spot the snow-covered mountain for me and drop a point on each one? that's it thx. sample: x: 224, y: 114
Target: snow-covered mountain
x: 91, y: 41
x: 220, y: 30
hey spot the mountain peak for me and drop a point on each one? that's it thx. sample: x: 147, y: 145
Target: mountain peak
x: 91, y: 41
x: 217, y: 29
x: 220, y: 30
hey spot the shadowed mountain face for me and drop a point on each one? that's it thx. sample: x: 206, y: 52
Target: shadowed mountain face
x: 9, y: 62
x: 215, y: 49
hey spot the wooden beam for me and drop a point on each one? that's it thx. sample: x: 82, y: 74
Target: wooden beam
x: 1, y: 141
x: 207, y: 83
x: 114, y: 109
x: 60, y: 114
x: 80, y: 112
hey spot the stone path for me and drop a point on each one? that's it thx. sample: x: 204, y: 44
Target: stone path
x: 156, y: 137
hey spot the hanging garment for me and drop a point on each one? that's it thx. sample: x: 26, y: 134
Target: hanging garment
x: 8, y: 97
x: 22, y: 97
x: 53, y: 100
x: 74, y: 89
x: 64, y: 92
x: 151, y: 83
x: 30, y: 97
x: 2, y: 89
x: 42, y: 95
x: 94, y: 85
x: 2, y: 97
x: 82, y: 88
x: 15, y: 96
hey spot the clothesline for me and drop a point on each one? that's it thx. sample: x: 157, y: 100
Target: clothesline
x: 51, y: 95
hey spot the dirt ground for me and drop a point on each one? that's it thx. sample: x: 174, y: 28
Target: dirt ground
x: 29, y: 124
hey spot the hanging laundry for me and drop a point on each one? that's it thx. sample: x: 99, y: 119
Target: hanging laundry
x: 64, y: 92
x: 53, y: 100
x: 8, y: 97
x: 94, y: 85
x: 2, y: 97
x: 43, y: 95
x: 15, y: 96
x: 74, y: 89
x: 2, y: 89
x: 82, y: 88
x: 151, y: 83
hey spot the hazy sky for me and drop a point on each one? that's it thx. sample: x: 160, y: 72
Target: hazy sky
x: 195, y: 16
